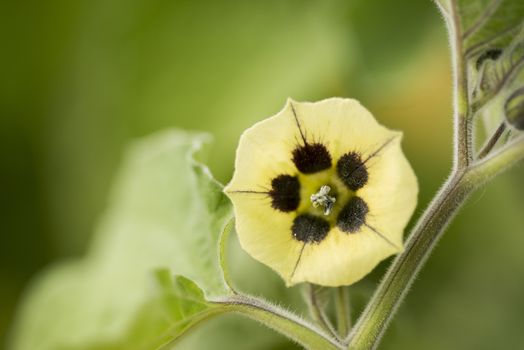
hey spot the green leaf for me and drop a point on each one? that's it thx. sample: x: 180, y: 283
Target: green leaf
x: 483, y: 24
x: 489, y: 35
x: 166, y: 214
x: 177, y: 305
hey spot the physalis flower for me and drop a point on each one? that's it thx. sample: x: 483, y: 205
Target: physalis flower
x: 322, y: 192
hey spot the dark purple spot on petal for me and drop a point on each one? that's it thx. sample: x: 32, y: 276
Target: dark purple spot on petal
x: 310, y: 228
x: 352, y: 171
x: 311, y: 158
x: 353, y: 215
x: 285, y: 193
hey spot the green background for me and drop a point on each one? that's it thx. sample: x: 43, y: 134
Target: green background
x: 79, y: 79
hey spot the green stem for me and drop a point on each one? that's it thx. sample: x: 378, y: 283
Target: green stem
x: 222, y: 254
x: 492, y: 141
x: 402, y: 272
x: 463, y: 154
x: 498, y: 161
x: 432, y: 224
x: 342, y: 311
x: 280, y: 320
x: 317, y: 312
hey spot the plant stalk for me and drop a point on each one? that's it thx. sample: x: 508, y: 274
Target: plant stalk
x: 286, y: 323
x: 402, y: 272
x: 342, y: 308
x: 462, y: 155
x: 429, y: 229
x: 317, y: 312
x: 272, y: 316
x: 492, y: 141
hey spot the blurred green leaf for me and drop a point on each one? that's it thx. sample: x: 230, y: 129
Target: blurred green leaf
x: 166, y: 213
x: 180, y: 306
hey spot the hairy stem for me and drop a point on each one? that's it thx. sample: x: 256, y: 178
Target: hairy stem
x: 272, y: 316
x: 497, y: 161
x: 467, y: 175
x: 430, y: 227
x: 342, y: 311
x: 492, y: 141
x: 402, y: 272
x: 222, y: 254
x: 281, y: 321
x: 463, y: 145
x: 317, y: 311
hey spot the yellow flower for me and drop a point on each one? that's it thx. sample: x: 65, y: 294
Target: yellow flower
x: 321, y: 192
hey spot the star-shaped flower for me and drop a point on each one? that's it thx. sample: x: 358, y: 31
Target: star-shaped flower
x: 321, y: 192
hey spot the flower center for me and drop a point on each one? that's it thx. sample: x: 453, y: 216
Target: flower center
x: 322, y: 198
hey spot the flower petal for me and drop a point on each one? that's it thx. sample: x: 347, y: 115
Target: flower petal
x: 265, y: 233
x: 342, y: 124
x: 264, y: 152
x: 391, y: 192
x: 341, y: 259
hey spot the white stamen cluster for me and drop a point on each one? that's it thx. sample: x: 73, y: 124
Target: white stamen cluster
x: 321, y: 198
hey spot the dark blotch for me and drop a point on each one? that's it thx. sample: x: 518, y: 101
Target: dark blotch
x: 310, y: 228
x: 285, y: 193
x: 353, y: 215
x: 311, y: 158
x: 491, y: 54
x: 352, y: 171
